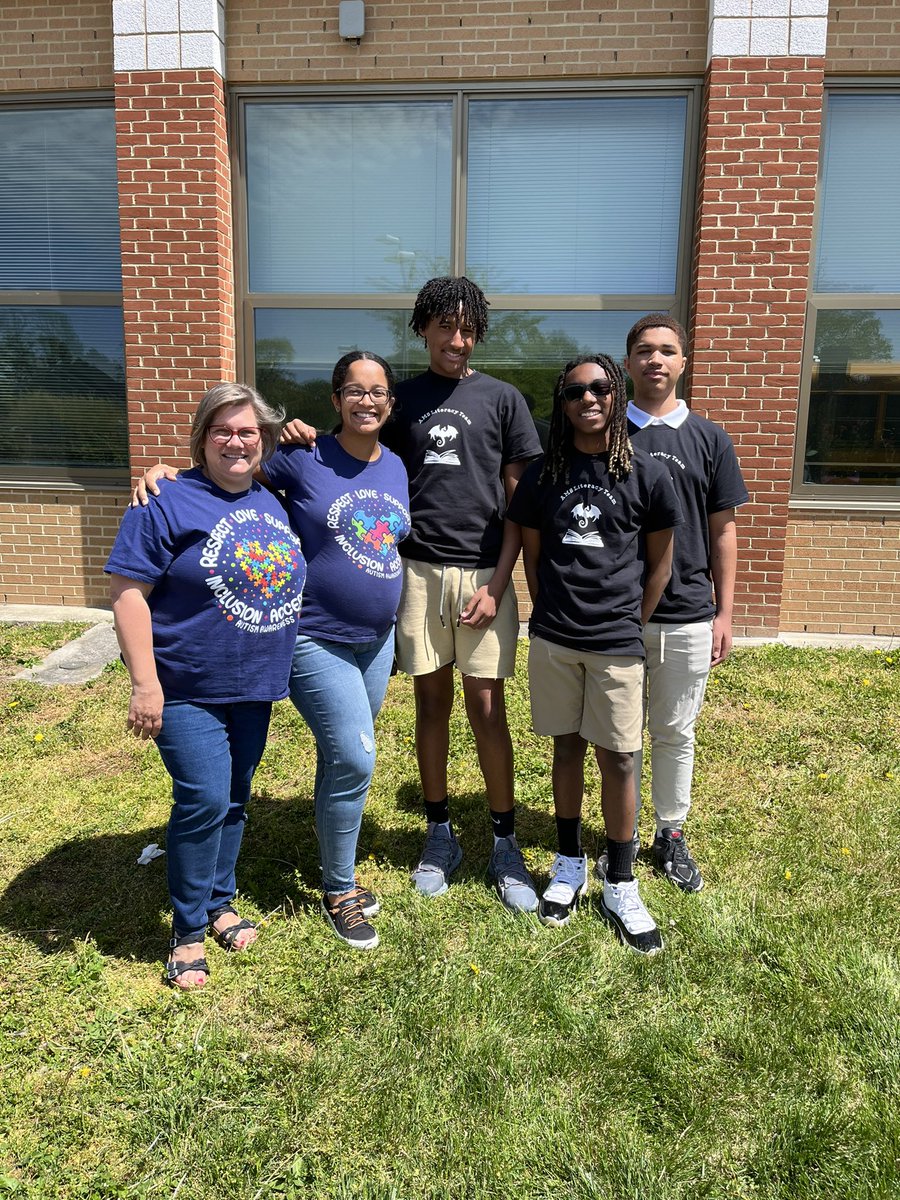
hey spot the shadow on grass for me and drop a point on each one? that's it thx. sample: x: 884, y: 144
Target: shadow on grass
x: 93, y: 886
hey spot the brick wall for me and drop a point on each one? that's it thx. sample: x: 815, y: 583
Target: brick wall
x: 55, y: 46
x: 473, y: 39
x: 754, y: 234
x: 177, y: 276
x: 863, y: 36
x: 842, y: 573
x: 61, y: 539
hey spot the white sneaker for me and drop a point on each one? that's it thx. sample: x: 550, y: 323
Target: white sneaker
x: 622, y: 907
x: 568, y: 882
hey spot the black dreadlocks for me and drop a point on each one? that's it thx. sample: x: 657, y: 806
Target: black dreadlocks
x: 451, y: 295
x: 560, y: 440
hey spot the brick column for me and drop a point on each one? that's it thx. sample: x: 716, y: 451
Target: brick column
x: 757, y: 180
x: 175, y: 213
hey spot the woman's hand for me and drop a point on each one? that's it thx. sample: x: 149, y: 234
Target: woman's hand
x: 146, y: 485
x: 145, y: 710
x: 297, y: 432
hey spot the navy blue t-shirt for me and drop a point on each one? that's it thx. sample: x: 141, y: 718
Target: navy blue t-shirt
x: 455, y: 436
x: 227, y: 574
x: 701, y: 460
x: 350, y: 516
x: 591, y: 564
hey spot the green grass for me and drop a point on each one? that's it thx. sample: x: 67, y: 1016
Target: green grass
x: 473, y: 1054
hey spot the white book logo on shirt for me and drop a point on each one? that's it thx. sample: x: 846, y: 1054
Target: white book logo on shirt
x: 584, y: 526
x: 441, y: 435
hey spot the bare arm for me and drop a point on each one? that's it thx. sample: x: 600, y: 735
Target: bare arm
x: 146, y: 485
x: 659, y: 569
x: 531, y: 552
x: 482, y: 608
x: 723, y: 567
x: 135, y: 635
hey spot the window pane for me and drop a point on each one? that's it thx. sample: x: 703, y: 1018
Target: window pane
x: 59, y: 220
x: 858, y: 249
x: 529, y: 349
x: 62, y: 387
x: 348, y: 197
x: 296, y: 351
x: 853, y: 435
x: 572, y: 197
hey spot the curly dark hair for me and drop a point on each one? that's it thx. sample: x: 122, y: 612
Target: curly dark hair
x: 449, y: 295
x: 561, y: 438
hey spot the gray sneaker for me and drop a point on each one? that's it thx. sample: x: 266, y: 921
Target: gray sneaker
x: 603, y: 860
x: 514, y: 885
x: 441, y: 855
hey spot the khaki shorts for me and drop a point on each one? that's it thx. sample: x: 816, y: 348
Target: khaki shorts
x: 579, y: 691
x: 429, y: 635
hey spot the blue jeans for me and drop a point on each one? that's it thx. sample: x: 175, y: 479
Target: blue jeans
x: 211, y: 752
x: 338, y: 687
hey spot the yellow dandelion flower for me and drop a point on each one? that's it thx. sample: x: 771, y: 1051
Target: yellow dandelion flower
x: 845, y: 850
x: 787, y: 874
x: 889, y: 659
x: 823, y: 775
x: 889, y: 774
x: 84, y: 1072
x: 867, y: 683
x: 38, y: 737
x: 14, y: 704
x: 474, y: 968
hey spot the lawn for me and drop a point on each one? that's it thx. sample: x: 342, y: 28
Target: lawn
x: 474, y: 1054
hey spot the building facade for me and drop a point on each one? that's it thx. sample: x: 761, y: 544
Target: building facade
x: 196, y: 190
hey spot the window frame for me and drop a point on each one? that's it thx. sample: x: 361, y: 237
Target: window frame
x: 836, y: 496
x: 460, y: 95
x: 61, y: 477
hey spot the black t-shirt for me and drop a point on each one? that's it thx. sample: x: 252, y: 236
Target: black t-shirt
x: 700, y: 458
x: 455, y: 436
x: 591, y: 564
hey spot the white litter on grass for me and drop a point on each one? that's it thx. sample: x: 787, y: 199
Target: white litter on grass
x: 148, y: 854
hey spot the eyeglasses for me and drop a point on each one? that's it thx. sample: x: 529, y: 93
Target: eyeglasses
x: 222, y: 435
x: 353, y: 393
x: 572, y: 393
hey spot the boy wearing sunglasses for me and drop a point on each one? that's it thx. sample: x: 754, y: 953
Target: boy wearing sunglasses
x: 596, y: 521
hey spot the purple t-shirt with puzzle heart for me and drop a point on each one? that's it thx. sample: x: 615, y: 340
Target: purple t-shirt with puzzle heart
x: 350, y: 515
x: 227, y: 574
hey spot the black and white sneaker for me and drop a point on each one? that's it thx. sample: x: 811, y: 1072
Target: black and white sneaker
x: 347, y: 920
x: 568, y: 883
x: 672, y: 859
x: 622, y: 907
x: 602, y: 863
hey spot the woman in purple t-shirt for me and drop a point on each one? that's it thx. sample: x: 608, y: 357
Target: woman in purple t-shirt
x: 205, y: 585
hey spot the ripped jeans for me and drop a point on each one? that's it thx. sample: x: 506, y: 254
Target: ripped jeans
x: 338, y: 687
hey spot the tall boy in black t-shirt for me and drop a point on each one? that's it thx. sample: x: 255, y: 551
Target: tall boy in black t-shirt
x: 465, y: 439
x: 596, y: 524
x: 690, y: 631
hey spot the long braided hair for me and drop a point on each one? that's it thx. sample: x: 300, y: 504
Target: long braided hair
x: 448, y: 294
x: 561, y: 438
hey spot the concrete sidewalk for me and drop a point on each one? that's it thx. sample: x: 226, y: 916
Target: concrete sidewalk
x: 86, y: 656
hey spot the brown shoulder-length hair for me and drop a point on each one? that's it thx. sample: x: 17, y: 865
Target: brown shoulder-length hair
x: 223, y: 395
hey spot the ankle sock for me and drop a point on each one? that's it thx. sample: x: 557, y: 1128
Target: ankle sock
x: 503, y: 824
x: 438, y: 811
x: 620, y: 859
x: 568, y: 833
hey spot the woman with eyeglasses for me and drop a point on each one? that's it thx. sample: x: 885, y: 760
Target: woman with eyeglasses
x: 348, y: 499
x: 596, y: 520
x: 206, y: 585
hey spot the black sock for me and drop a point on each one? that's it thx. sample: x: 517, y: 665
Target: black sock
x: 438, y: 810
x: 620, y: 860
x: 504, y: 823
x: 568, y: 832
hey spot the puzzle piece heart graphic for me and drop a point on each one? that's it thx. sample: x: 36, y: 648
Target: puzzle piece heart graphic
x: 268, y: 568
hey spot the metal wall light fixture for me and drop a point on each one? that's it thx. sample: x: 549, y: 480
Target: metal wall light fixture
x: 351, y: 20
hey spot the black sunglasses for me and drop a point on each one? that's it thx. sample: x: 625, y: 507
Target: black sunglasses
x: 573, y: 392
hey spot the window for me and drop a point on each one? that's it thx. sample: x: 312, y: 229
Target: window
x: 850, y: 422
x: 568, y: 210
x: 62, y: 376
